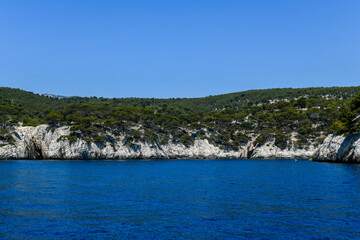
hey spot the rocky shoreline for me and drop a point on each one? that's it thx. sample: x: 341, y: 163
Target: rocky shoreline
x: 44, y: 142
x: 339, y: 149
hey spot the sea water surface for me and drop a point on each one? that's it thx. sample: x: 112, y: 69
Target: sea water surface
x: 179, y: 199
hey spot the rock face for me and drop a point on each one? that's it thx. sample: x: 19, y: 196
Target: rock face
x: 339, y: 149
x: 43, y: 142
x: 271, y: 151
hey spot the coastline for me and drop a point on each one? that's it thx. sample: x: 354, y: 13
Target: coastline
x: 43, y: 142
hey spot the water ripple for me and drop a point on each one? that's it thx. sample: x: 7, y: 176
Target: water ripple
x: 219, y: 199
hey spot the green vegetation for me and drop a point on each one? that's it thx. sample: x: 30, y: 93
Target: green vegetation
x: 5, y: 137
x: 289, y: 117
x: 348, y: 122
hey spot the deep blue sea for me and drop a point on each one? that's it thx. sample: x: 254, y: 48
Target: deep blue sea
x: 179, y: 199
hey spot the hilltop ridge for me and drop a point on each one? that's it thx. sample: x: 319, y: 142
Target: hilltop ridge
x: 236, y: 100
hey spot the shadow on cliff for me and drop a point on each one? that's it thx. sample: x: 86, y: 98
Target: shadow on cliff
x: 346, y: 149
x: 34, y: 149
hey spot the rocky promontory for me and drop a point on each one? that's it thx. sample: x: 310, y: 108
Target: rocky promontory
x: 339, y: 149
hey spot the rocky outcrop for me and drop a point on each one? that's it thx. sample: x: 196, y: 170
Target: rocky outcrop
x: 339, y: 149
x: 44, y: 142
x: 270, y: 151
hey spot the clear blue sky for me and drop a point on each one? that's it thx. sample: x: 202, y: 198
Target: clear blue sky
x: 177, y: 48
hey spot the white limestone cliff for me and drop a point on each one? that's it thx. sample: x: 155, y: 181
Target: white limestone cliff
x: 43, y: 142
x: 339, y: 149
x: 269, y: 150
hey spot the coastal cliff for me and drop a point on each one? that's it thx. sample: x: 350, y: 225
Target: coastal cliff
x: 272, y: 123
x: 339, y: 149
x: 45, y: 142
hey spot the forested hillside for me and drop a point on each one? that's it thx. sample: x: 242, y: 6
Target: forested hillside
x: 289, y: 117
x: 349, y: 119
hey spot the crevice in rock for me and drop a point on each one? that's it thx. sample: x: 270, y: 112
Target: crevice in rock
x: 251, y: 150
x: 34, y: 150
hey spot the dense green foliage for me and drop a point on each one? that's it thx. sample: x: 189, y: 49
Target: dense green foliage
x: 349, y: 118
x: 35, y: 104
x: 290, y: 117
